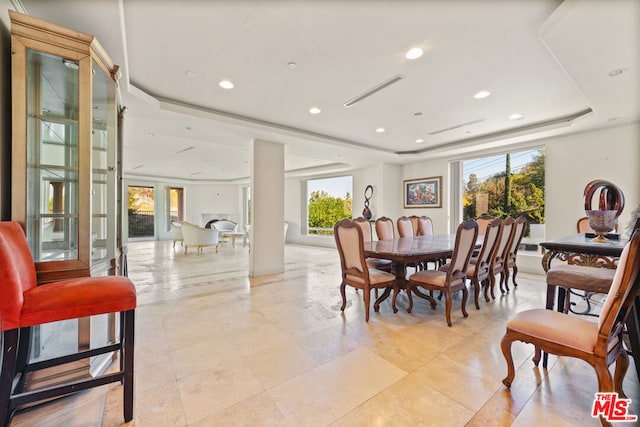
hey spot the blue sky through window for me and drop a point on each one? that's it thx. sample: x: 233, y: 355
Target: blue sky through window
x: 336, y: 187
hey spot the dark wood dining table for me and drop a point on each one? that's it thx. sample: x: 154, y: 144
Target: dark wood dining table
x: 408, y: 250
x: 581, y: 250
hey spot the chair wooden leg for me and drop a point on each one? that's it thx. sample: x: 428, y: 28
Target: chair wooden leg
x: 515, y: 272
x: 505, y: 344
x: 492, y: 282
x: 366, y: 294
x: 447, y: 302
x: 344, y: 296
x: 605, y: 383
x: 129, y: 345
x: 502, y: 280
x: 537, y: 354
x: 622, y: 364
x: 487, y: 285
x: 9, y: 362
x: 409, y: 290
x: 465, y: 296
x: 476, y: 290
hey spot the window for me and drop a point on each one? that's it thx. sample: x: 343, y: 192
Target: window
x: 328, y: 201
x: 140, y: 207
x: 509, y: 184
x: 176, y: 203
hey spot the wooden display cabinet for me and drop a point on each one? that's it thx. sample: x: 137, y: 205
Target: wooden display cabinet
x: 65, y: 171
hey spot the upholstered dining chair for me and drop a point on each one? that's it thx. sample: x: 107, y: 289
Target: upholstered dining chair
x: 425, y: 226
x: 405, y: 227
x: 498, y: 260
x: 483, y: 221
x: 24, y: 305
x: 378, y: 263
x: 599, y: 344
x: 415, y: 222
x: 355, y: 272
x: 384, y: 228
x: 479, y: 268
x: 512, y: 253
x: 454, y: 278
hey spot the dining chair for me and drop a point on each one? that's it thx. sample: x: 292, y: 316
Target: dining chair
x: 483, y: 221
x: 405, y: 227
x: 355, y: 272
x: 599, y: 344
x: 512, y: 253
x: 455, y: 276
x: 479, y: 270
x: 378, y: 263
x: 498, y: 260
x: 425, y: 226
x: 415, y: 222
x: 25, y: 305
x: 384, y: 228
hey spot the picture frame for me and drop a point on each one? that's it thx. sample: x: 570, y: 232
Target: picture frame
x: 423, y: 192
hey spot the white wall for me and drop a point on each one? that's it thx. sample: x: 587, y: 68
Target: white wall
x: 427, y: 169
x: 612, y: 154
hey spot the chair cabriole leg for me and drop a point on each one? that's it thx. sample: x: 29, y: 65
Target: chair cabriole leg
x: 505, y: 344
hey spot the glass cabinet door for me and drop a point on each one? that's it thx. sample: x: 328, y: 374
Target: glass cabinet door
x: 52, y: 156
x: 103, y: 176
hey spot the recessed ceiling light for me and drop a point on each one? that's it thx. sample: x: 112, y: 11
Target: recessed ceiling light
x: 419, y: 141
x: 516, y: 116
x: 417, y: 113
x: 315, y: 110
x: 188, y: 128
x: 380, y: 130
x: 292, y: 65
x: 617, y: 72
x: 414, y: 53
x: 225, y: 84
x: 482, y: 94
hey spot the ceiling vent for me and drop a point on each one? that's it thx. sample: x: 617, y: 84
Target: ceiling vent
x: 373, y: 90
x: 473, y: 122
x: 185, y: 149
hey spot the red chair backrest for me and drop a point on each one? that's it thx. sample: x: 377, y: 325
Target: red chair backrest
x: 17, y: 273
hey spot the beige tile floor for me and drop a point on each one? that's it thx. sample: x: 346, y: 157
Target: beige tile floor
x: 216, y: 348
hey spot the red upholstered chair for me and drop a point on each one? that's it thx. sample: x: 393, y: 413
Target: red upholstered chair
x: 23, y: 305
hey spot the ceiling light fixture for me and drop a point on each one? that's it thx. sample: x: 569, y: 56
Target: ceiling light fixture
x: 417, y: 114
x: 414, y: 53
x: 380, y: 130
x: 516, y: 116
x: 617, y: 72
x: 315, y: 110
x: 292, y: 65
x: 482, y: 94
x: 419, y: 141
x: 225, y: 84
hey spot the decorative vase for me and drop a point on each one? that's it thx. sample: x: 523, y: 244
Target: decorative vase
x: 610, y: 203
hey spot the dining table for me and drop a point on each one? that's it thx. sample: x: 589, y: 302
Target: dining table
x: 410, y: 250
x: 580, y: 249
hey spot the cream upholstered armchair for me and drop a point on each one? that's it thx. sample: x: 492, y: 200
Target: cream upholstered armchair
x: 176, y: 232
x: 198, y: 237
x: 224, y: 226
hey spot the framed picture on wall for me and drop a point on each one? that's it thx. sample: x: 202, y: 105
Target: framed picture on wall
x: 423, y: 193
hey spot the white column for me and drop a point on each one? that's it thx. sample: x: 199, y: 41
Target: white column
x: 267, y: 209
